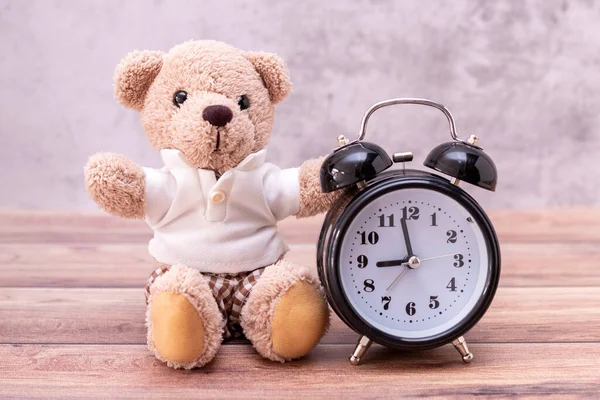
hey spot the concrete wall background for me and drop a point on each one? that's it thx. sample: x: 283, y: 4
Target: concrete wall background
x: 523, y: 75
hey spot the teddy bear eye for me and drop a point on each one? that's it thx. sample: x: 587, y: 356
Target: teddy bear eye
x: 244, y: 102
x: 179, y: 98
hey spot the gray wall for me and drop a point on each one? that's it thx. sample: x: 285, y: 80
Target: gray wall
x: 523, y: 75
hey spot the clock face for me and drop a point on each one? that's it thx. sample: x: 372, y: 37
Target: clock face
x: 446, y: 277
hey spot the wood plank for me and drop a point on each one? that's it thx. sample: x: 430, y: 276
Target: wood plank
x: 106, y: 265
x: 40, y: 315
x: 38, y: 371
x: 118, y: 265
x: 560, y: 225
x: 73, y: 337
x: 535, y: 226
x: 93, y: 227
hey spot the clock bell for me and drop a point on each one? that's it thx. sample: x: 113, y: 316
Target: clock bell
x: 359, y: 161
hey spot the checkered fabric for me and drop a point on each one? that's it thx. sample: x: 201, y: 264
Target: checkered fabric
x: 155, y: 274
x: 230, y: 292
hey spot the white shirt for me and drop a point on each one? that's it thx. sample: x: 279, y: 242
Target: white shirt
x: 227, y: 225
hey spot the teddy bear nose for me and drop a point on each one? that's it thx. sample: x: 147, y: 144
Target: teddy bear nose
x: 217, y: 115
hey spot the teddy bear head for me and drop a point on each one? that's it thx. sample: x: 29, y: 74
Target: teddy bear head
x: 209, y: 100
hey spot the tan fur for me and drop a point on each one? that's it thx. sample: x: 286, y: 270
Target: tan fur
x: 116, y: 184
x: 134, y: 75
x: 177, y: 329
x: 286, y: 313
x: 212, y: 73
x: 274, y: 73
x: 190, y: 284
x: 261, y: 306
x: 299, y: 321
x: 312, y: 200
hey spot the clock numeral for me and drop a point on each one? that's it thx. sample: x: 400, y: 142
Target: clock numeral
x: 452, y: 285
x: 386, y: 302
x: 410, y: 213
x: 433, y: 303
x: 390, y: 221
x: 372, y: 237
x: 369, y: 285
x: 459, y: 261
x: 451, y: 236
x: 363, y: 261
x: 410, y: 308
x: 434, y: 219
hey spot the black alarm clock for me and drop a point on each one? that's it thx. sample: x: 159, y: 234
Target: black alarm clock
x: 407, y: 258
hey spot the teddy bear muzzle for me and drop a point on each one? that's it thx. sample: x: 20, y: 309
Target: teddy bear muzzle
x: 217, y: 115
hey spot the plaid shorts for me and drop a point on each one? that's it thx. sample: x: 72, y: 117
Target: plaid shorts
x: 230, y: 293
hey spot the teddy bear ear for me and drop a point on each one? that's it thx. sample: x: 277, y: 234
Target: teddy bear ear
x: 134, y: 75
x: 274, y: 73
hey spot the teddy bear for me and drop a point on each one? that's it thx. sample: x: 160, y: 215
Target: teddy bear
x: 208, y: 108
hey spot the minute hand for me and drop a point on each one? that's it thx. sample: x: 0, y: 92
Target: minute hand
x: 406, y: 238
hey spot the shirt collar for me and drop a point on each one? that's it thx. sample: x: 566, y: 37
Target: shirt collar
x: 253, y: 161
x: 174, y: 159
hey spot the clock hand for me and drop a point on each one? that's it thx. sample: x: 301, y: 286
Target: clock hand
x: 413, y: 263
x: 433, y: 258
x: 398, y: 277
x: 406, y: 238
x: 405, y: 261
x: 395, y: 263
x: 392, y: 263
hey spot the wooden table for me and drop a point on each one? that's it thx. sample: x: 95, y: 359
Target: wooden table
x: 72, y: 320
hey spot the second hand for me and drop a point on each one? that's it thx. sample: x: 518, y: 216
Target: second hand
x: 398, y: 277
x: 407, y: 267
x: 433, y: 258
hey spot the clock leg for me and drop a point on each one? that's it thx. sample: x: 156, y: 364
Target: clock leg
x: 361, y: 348
x: 460, y: 345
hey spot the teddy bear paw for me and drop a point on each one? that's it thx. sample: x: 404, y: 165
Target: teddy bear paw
x: 286, y: 314
x: 184, y: 324
x: 299, y: 321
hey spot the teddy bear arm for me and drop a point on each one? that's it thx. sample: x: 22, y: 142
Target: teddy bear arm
x: 116, y: 184
x: 312, y: 200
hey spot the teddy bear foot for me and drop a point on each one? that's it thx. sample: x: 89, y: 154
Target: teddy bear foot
x: 185, y: 326
x: 286, y: 314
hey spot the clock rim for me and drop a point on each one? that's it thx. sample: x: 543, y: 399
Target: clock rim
x: 338, y: 221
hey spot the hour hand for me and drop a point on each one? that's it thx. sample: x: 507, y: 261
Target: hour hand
x: 392, y: 263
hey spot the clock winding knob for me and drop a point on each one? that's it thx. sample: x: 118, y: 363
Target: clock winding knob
x: 402, y: 157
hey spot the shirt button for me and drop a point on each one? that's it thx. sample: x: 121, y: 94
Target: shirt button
x: 217, y: 197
